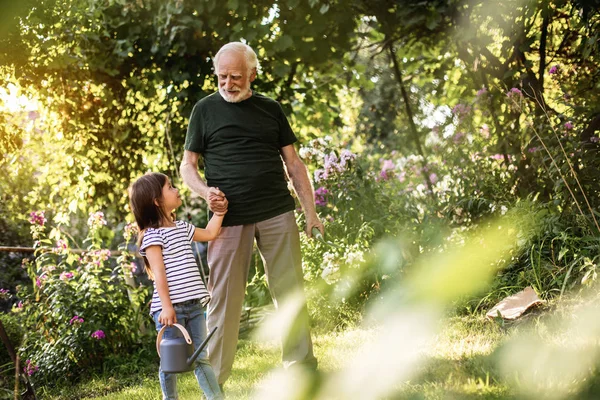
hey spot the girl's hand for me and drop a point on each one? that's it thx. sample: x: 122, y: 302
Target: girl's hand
x: 217, y: 202
x: 167, y: 316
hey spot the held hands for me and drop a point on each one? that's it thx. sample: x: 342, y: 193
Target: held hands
x: 217, y: 202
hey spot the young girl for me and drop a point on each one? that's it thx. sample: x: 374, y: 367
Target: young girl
x: 179, y: 293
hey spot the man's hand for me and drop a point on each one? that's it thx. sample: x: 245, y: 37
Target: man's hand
x: 314, y: 222
x: 217, y: 202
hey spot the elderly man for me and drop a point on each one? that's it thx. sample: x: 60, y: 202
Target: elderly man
x: 243, y: 137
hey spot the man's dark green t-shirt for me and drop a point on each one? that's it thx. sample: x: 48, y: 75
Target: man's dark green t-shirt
x: 240, y: 144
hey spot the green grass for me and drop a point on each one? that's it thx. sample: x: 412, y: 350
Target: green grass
x: 456, y: 366
x: 462, y: 361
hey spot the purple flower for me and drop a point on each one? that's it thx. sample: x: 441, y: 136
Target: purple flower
x: 30, y: 368
x: 78, y: 320
x: 553, y: 70
x: 99, y: 334
x: 481, y: 91
x: 321, y: 196
x: 534, y: 149
x: 458, y: 137
x: 461, y: 110
x: 568, y: 125
x: 38, y: 282
x: 433, y: 178
x: 345, y: 157
x: 320, y: 175
x: 514, y: 92
x: 594, y: 139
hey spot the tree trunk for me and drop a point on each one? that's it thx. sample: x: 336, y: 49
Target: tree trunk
x: 413, y: 127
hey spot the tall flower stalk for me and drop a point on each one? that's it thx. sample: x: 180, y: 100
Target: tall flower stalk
x: 568, y: 163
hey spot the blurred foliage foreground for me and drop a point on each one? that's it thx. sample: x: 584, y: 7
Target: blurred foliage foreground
x: 453, y: 147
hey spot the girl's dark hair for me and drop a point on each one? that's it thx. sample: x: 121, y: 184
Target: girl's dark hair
x: 144, y: 194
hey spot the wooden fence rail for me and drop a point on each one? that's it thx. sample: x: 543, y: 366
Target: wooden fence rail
x: 7, y: 249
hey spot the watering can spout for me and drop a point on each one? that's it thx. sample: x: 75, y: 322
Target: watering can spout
x: 193, y: 357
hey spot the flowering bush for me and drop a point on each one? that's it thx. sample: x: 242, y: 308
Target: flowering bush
x: 358, y: 208
x: 79, y: 308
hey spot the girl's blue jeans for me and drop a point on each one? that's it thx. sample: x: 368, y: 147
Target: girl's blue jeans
x: 190, y: 314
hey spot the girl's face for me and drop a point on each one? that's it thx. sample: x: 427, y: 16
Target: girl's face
x: 170, y: 197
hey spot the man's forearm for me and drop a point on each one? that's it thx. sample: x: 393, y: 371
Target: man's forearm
x: 191, y: 177
x: 303, y: 188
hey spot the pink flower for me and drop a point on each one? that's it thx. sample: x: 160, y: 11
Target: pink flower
x: 481, y: 91
x: 553, y: 70
x: 61, y: 246
x: 130, y: 230
x: 568, y: 125
x: 133, y: 267
x: 66, y: 275
x: 594, y: 139
x: 37, y: 218
x: 387, y: 170
x: 76, y: 320
x: 96, y: 220
x: 485, y: 131
x: 99, y: 334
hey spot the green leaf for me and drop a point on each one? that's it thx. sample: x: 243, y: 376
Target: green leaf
x: 284, y: 42
x: 562, y: 253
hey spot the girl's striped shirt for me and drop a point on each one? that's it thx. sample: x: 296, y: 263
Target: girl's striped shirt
x: 183, y: 275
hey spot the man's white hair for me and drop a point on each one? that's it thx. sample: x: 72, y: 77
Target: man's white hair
x: 241, y: 48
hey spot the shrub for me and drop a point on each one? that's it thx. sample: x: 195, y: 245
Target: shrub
x: 78, y: 309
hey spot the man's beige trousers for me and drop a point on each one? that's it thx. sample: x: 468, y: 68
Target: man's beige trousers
x: 229, y: 257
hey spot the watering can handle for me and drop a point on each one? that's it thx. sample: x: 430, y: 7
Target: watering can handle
x: 317, y: 233
x: 319, y: 236
x: 186, y: 336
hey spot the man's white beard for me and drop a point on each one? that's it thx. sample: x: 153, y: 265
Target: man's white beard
x: 235, y: 98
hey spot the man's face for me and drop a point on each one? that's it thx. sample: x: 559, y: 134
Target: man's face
x: 234, y: 77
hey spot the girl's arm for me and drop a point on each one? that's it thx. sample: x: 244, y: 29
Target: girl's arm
x: 211, y: 231
x: 157, y: 264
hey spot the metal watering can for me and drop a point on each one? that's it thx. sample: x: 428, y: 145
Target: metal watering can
x: 177, y: 354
